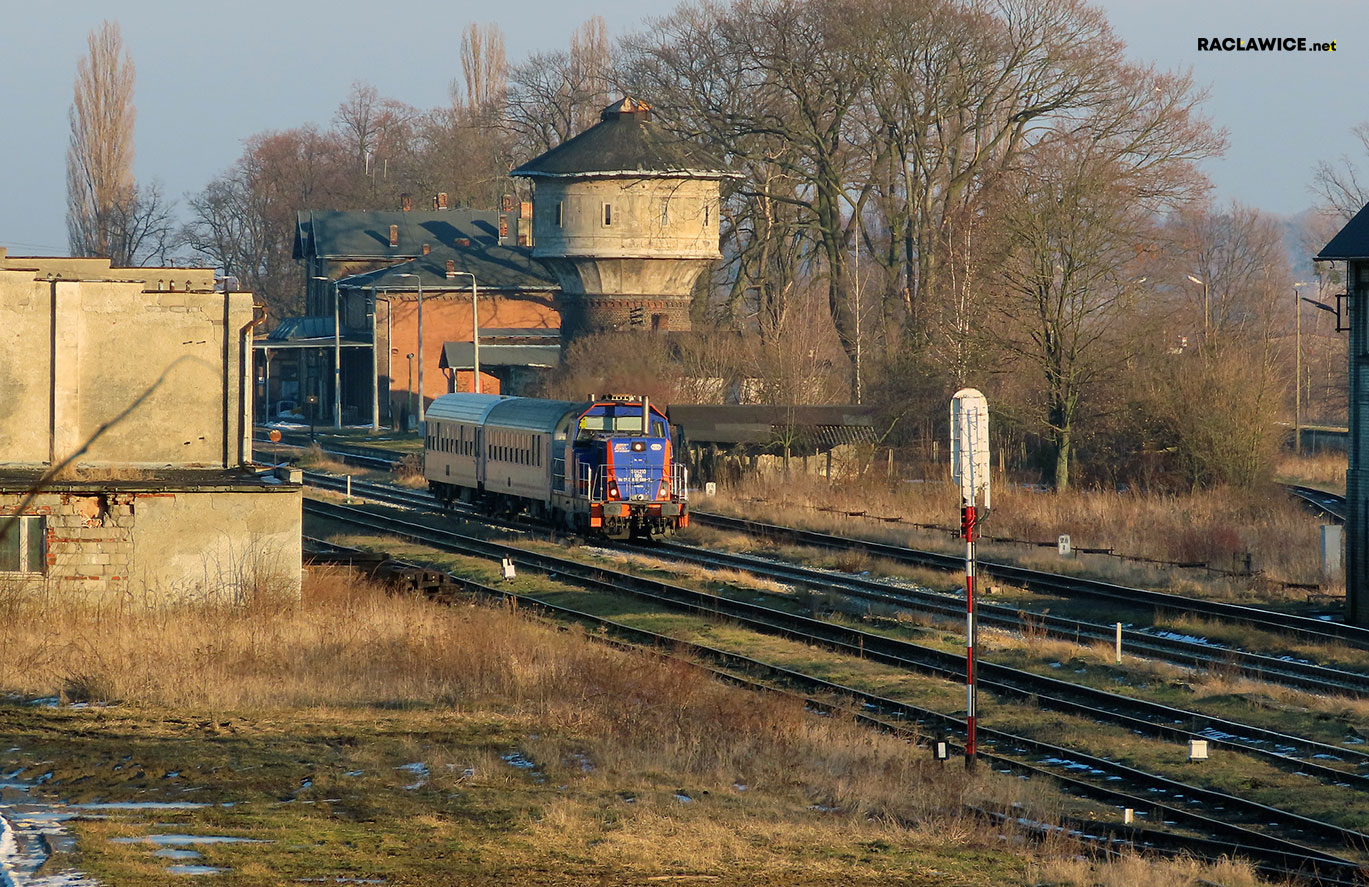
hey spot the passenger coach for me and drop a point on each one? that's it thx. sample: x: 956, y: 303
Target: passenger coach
x: 602, y: 466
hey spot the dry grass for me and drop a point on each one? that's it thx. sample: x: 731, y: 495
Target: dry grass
x: 89, y: 473
x: 1324, y: 469
x: 313, y: 458
x: 1216, y: 527
x: 1129, y: 870
x: 408, y: 472
x: 600, y: 714
x: 350, y: 644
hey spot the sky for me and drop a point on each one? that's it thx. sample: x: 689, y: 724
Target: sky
x: 209, y: 77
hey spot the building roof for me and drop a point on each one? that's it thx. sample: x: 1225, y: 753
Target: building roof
x: 763, y: 426
x: 496, y: 268
x: 461, y: 355
x: 1352, y: 242
x: 338, y: 234
x: 625, y: 142
x: 540, y: 335
x: 310, y: 332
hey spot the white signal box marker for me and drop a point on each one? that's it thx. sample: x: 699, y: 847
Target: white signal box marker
x: 970, y: 445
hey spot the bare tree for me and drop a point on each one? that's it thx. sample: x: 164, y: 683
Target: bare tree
x: 1341, y: 185
x: 484, y: 68
x: 590, y: 59
x: 554, y: 96
x: 100, y: 185
x: 1082, y: 214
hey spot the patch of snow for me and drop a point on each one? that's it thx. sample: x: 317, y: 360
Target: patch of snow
x: 420, y: 770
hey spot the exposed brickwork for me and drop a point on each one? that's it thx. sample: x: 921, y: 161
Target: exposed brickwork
x: 88, y: 537
x: 587, y: 314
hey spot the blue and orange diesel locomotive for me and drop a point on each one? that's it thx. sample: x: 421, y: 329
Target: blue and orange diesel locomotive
x: 602, y: 467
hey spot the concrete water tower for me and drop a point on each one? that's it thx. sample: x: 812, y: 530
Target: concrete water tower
x: 1351, y: 246
x: 626, y: 217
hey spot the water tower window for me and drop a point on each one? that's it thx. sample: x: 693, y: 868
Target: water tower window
x: 560, y: 213
x: 665, y: 212
x: 707, y: 207
x: 608, y: 214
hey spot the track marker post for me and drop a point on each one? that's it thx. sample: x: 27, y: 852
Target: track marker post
x: 970, y: 470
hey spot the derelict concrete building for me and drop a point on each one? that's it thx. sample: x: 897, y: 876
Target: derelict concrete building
x: 626, y: 217
x: 125, y: 435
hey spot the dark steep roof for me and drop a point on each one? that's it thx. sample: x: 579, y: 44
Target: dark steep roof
x: 461, y: 355
x: 496, y: 268
x: 625, y: 141
x: 1352, y: 242
x: 769, y: 427
x: 366, y: 235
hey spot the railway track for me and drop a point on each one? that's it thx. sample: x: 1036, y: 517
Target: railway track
x: 1318, y: 630
x: 1151, y: 719
x: 1320, y: 501
x: 1176, y: 650
x: 1321, y: 630
x: 1259, y: 831
x: 1150, y: 643
x: 1290, y: 826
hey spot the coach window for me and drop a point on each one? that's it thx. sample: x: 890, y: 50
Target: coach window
x: 22, y: 549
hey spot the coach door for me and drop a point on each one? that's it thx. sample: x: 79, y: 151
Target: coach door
x: 558, y: 456
x: 481, y: 457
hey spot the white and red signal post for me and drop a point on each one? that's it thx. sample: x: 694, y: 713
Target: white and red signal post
x: 970, y: 471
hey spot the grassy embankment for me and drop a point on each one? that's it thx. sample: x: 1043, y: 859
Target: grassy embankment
x: 307, y: 718
x: 1215, y: 527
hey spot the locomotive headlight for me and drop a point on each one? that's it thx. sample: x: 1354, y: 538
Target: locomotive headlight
x: 638, y: 446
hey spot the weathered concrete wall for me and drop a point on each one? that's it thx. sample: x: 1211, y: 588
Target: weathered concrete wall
x: 76, y: 268
x: 651, y: 218
x: 165, y: 544
x: 115, y: 373
x: 234, y: 543
x: 626, y: 251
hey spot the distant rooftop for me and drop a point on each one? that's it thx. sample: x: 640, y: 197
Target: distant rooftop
x: 625, y: 141
x: 366, y: 235
x: 501, y: 268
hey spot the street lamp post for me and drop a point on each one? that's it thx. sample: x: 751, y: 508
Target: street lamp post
x: 410, y: 357
x: 475, y: 326
x: 1206, y: 314
x: 1297, y: 371
x: 375, y: 357
x: 420, y: 344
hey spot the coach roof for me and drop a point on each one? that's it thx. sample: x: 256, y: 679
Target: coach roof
x: 531, y: 414
x: 471, y: 408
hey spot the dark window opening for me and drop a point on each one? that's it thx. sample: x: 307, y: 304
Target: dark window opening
x: 24, y: 546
